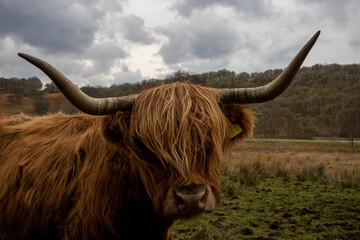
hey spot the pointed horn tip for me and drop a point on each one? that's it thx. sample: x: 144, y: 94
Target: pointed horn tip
x: 316, y: 35
x: 22, y: 54
x: 33, y: 60
x: 312, y: 40
x: 26, y: 56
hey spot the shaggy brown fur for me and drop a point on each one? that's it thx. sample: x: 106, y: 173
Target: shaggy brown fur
x: 106, y: 177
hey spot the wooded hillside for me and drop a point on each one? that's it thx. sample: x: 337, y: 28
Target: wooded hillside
x: 323, y: 100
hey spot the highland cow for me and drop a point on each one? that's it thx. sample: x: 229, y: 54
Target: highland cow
x: 130, y: 167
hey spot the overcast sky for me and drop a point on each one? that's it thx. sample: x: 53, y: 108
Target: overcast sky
x: 104, y: 42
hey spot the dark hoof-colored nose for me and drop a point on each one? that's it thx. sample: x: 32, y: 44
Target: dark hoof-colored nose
x: 191, y: 199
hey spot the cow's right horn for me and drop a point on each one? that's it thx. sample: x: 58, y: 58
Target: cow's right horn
x: 85, y: 103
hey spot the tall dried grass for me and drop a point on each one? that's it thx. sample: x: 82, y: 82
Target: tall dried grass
x: 248, y: 165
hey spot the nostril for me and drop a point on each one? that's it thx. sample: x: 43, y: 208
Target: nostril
x: 190, y: 201
x: 179, y: 200
x: 204, y: 197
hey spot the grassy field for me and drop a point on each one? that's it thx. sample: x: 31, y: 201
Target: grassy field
x: 284, y: 191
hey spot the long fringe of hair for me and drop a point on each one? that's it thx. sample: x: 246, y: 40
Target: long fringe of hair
x: 180, y: 127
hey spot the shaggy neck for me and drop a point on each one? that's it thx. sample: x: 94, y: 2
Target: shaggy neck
x: 135, y: 217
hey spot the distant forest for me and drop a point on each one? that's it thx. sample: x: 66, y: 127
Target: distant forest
x: 323, y: 100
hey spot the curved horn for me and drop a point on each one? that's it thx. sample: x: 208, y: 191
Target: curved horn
x: 272, y: 89
x: 85, y: 103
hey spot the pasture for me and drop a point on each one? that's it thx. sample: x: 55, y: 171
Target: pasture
x: 282, y: 190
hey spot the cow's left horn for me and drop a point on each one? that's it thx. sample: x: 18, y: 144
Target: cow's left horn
x: 85, y: 103
x: 272, y: 89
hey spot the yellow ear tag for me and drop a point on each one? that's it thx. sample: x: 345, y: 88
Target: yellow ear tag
x: 234, y: 130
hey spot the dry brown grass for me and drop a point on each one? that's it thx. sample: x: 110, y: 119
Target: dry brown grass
x: 290, y: 161
x: 58, y: 102
x: 9, y: 109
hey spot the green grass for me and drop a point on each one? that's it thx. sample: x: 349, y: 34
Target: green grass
x: 279, y: 208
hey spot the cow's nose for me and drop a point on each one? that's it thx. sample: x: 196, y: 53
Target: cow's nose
x: 192, y: 199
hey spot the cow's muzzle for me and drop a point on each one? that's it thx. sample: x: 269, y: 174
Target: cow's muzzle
x: 189, y: 201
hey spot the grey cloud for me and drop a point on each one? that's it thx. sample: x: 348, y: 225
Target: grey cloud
x: 10, y: 61
x: 135, y: 31
x: 340, y: 11
x: 205, y: 36
x: 103, y: 57
x: 355, y: 41
x: 246, y: 7
x: 127, y: 76
x: 107, y: 5
x: 178, y: 46
x: 54, y: 26
x: 105, y: 51
x: 61, y: 32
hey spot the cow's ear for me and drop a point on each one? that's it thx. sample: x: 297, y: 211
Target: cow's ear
x: 241, y: 121
x: 115, y: 127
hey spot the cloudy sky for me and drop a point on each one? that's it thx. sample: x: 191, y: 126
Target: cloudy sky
x: 104, y: 42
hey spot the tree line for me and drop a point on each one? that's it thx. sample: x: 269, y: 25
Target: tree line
x: 323, y: 100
